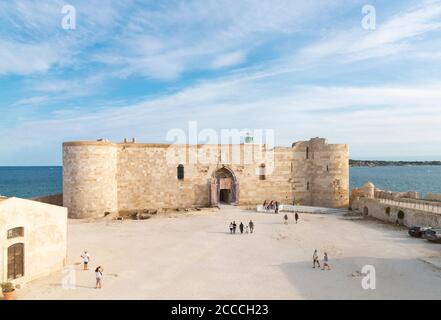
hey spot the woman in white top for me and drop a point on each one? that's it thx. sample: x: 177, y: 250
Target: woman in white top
x: 98, y: 275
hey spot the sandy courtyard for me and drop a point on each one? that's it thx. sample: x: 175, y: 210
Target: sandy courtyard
x: 195, y: 257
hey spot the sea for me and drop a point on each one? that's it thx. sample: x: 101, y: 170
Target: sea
x: 29, y: 182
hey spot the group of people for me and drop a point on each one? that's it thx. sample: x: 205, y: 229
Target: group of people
x: 296, y: 217
x: 98, y: 270
x: 271, y: 206
x: 325, y: 262
x: 242, y: 228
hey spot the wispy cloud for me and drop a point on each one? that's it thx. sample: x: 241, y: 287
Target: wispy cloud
x: 301, y: 67
x: 391, y: 37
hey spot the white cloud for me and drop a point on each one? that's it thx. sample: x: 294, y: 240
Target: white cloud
x: 229, y: 59
x: 390, y: 37
x: 25, y: 59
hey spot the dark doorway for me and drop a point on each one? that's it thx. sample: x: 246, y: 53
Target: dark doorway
x: 225, y: 196
x: 16, y: 261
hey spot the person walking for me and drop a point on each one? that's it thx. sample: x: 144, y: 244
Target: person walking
x: 98, y: 276
x: 86, y: 258
x: 277, y: 207
x: 234, y: 227
x: 251, y: 225
x: 286, y: 219
x: 241, y: 227
x: 231, y: 227
x: 247, y: 229
x: 296, y: 217
x: 326, y: 262
x: 315, y: 259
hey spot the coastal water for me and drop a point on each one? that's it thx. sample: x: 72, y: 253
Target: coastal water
x: 399, y: 178
x: 28, y: 182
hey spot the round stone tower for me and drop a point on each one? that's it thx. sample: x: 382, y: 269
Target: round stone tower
x: 90, y: 179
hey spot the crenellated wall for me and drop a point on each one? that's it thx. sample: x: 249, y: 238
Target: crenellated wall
x: 102, y: 177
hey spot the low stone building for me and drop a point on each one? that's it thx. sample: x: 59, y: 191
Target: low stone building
x: 33, y: 239
x: 100, y: 177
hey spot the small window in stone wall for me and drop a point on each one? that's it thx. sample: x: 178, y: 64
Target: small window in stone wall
x: 327, y: 168
x: 307, y: 186
x: 307, y: 152
x: 181, y: 172
x: 15, y: 233
x: 388, y: 211
x: 262, y: 173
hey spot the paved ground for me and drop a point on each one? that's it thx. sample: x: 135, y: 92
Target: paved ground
x: 195, y: 257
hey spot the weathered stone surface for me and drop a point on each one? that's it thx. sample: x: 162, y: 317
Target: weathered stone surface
x: 44, y: 237
x: 106, y: 177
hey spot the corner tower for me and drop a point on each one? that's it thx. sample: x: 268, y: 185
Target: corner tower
x: 90, y: 179
x: 325, y: 173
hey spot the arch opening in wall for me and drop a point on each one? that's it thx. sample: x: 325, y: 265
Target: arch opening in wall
x: 16, y: 261
x: 180, y: 172
x: 400, y: 215
x: 262, y: 172
x: 365, y: 211
x: 224, y: 187
x: 387, y: 211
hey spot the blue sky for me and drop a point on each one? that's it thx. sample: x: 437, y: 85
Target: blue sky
x: 142, y: 68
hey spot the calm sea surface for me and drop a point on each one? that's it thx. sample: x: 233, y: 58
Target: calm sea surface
x: 28, y: 182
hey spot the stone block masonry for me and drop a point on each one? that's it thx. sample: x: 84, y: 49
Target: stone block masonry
x: 100, y: 177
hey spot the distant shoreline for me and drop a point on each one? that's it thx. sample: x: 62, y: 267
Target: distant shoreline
x: 384, y: 163
x: 352, y: 163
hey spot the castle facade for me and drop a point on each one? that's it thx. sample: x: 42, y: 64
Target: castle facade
x: 101, y: 177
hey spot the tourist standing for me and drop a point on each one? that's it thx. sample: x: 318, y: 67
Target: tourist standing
x: 277, y: 207
x: 315, y: 259
x: 326, y: 262
x: 247, y: 229
x: 231, y: 227
x: 297, y: 217
x: 234, y: 227
x: 251, y: 224
x: 286, y: 218
x: 241, y: 227
x: 98, y: 276
x: 86, y: 258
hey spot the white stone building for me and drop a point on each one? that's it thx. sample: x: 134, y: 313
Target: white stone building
x: 32, y: 239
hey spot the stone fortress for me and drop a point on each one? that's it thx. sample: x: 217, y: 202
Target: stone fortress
x: 102, y: 178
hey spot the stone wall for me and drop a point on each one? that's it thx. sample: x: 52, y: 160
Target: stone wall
x: 45, y: 237
x: 102, y: 177
x: 89, y: 178
x: 432, y: 197
x: 389, y: 213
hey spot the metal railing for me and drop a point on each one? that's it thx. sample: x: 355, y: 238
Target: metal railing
x: 433, y: 208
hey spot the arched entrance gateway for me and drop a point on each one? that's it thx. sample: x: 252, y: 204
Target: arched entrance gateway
x: 224, y: 187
